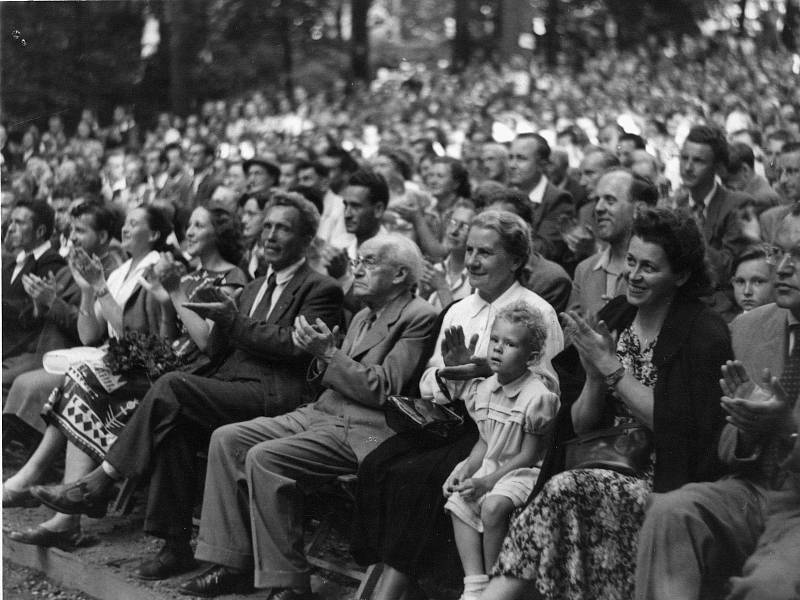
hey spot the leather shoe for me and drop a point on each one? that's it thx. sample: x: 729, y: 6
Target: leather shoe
x: 289, y: 594
x: 73, y: 499
x: 19, y: 499
x: 168, y: 562
x: 40, y: 536
x: 218, y: 580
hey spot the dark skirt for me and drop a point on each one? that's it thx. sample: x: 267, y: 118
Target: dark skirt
x: 400, y: 518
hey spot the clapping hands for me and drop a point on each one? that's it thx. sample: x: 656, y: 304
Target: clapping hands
x: 316, y: 339
x: 87, y: 271
x: 578, y: 237
x: 596, y: 345
x: 432, y: 278
x: 755, y: 409
x: 43, y: 291
x: 163, y: 278
x: 335, y: 260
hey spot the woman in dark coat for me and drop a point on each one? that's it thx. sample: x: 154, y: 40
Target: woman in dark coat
x: 577, y: 537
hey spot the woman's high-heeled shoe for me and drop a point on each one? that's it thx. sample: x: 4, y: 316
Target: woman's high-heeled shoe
x: 41, y: 536
x: 19, y: 498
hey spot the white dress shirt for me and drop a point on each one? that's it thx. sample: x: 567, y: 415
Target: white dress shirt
x: 22, y: 257
x: 536, y: 195
x: 282, y: 277
x: 122, y: 284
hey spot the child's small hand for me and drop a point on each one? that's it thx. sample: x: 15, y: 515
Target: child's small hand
x: 472, y: 488
x: 450, y: 486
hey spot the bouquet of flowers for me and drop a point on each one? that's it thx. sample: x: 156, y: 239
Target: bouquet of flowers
x: 143, y: 353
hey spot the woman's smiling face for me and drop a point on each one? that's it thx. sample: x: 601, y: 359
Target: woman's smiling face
x: 491, y: 269
x: 137, y: 237
x: 200, y: 234
x: 651, y: 279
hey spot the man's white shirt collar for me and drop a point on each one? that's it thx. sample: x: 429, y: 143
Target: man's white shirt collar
x: 37, y: 253
x: 537, y: 193
x: 285, y: 274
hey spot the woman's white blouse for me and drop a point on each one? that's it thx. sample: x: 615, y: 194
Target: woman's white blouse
x: 475, y: 315
x: 122, y: 288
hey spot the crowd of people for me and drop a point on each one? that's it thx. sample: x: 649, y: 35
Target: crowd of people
x: 558, y: 256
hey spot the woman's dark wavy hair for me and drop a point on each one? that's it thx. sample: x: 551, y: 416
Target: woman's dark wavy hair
x: 158, y: 221
x: 459, y: 174
x: 227, y: 233
x: 676, y: 232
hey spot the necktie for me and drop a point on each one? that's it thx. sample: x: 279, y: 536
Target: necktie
x: 365, y: 326
x: 265, y: 301
x: 790, y: 378
x: 699, y: 214
x: 775, y: 450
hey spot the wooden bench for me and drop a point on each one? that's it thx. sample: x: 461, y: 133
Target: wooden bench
x: 342, y: 491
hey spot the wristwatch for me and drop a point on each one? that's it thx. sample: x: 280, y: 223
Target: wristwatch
x: 612, y: 379
x: 101, y: 292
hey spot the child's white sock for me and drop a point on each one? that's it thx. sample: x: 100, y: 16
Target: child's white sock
x: 474, y: 586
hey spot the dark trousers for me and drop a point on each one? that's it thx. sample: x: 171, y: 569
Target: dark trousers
x: 162, y: 438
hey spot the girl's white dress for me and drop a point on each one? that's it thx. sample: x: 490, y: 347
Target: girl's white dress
x: 504, y: 413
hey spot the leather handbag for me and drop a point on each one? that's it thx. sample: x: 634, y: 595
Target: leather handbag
x: 624, y: 448
x: 423, y: 415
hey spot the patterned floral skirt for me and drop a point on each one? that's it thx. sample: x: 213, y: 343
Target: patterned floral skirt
x: 577, y: 539
x: 93, y: 405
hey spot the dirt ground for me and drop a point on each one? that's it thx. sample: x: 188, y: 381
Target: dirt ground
x: 21, y: 583
x: 117, y: 543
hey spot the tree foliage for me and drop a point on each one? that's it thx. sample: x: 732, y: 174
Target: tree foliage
x: 75, y: 54
x: 88, y: 54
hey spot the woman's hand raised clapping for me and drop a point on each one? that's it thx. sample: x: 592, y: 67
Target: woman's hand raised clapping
x: 595, y: 343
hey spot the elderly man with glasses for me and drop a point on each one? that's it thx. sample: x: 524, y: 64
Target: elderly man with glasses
x: 259, y: 470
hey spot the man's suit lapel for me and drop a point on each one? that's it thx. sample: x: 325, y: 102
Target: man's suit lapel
x: 286, y: 299
x: 772, y: 347
x: 355, y: 325
x: 249, y: 295
x: 380, y: 328
x: 713, y: 212
x: 761, y: 344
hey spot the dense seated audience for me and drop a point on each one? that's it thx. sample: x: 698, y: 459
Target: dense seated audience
x: 356, y: 221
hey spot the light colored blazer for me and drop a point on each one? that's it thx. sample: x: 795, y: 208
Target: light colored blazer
x: 770, y: 219
x: 386, y: 361
x: 589, y: 286
x: 759, y: 342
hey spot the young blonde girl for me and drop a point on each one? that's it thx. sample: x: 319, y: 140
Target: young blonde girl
x: 514, y: 410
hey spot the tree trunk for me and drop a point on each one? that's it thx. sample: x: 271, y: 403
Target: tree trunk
x: 339, y: 9
x: 360, y: 42
x: 178, y: 65
x: 462, y: 43
x: 788, y: 35
x: 513, y: 19
x: 285, y: 27
x: 551, y: 38
x: 742, y: 9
